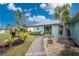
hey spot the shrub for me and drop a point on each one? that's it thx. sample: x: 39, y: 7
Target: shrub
x: 36, y: 33
x: 69, y: 53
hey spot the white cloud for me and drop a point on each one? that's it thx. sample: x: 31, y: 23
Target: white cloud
x: 11, y: 6
x: 43, y: 5
x: 39, y: 18
x: 27, y: 14
x: 51, y: 6
x: 48, y: 7
x: 29, y: 9
x: 30, y: 18
x: 25, y: 10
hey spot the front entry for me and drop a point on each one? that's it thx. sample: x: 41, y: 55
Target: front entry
x: 47, y: 29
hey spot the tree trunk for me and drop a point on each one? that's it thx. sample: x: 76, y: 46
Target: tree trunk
x: 65, y: 33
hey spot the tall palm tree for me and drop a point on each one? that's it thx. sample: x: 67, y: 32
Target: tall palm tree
x: 20, y: 16
x: 63, y: 13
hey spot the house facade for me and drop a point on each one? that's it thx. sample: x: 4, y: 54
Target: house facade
x: 74, y: 29
x: 47, y: 27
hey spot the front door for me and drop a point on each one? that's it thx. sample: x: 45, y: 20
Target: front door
x: 47, y: 29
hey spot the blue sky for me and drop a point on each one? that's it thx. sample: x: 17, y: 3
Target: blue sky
x: 35, y: 12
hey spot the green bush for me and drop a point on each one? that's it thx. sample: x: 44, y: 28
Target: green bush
x: 69, y: 53
x: 36, y: 33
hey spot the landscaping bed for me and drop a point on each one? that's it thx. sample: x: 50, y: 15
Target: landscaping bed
x: 18, y: 42
x: 18, y: 50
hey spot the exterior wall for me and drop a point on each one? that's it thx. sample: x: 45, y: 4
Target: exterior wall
x: 38, y: 29
x: 30, y: 29
x: 74, y: 31
x: 55, y: 30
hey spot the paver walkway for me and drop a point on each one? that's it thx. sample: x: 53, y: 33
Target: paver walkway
x: 36, y: 48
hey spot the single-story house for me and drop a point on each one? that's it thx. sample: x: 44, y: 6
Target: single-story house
x: 47, y: 27
x: 74, y: 29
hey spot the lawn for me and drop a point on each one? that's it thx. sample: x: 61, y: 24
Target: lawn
x: 19, y: 50
x: 3, y: 37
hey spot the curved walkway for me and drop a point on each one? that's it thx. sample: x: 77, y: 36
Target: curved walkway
x: 36, y: 48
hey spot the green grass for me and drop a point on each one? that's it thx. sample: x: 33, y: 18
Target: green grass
x: 20, y: 50
x: 69, y: 53
x: 3, y: 37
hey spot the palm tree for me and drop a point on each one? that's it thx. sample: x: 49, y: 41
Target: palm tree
x: 63, y: 13
x: 20, y: 19
x: 20, y: 16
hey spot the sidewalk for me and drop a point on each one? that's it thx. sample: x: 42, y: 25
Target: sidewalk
x: 36, y: 48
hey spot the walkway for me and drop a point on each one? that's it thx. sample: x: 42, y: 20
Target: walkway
x: 53, y: 49
x: 36, y: 48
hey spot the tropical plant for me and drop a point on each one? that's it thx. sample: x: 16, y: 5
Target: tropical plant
x: 63, y: 13
x: 16, y: 33
x: 21, y: 30
x: 20, y: 16
x: 21, y: 33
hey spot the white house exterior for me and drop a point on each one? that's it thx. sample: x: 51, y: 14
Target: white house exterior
x: 48, y: 27
x: 30, y: 29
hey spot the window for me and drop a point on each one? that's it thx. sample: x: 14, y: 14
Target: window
x: 37, y: 28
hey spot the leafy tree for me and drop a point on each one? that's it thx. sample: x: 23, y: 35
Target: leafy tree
x: 63, y: 13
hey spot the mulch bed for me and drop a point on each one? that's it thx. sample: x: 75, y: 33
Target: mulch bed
x: 18, y: 42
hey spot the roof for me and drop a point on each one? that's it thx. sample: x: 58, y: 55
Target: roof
x: 46, y: 23
x: 75, y: 18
